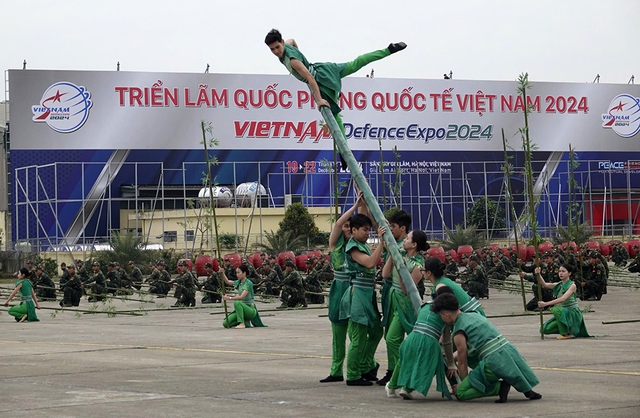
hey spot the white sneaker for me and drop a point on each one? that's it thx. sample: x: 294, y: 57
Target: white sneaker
x: 411, y: 395
x: 391, y: 393
x: 405, y: 394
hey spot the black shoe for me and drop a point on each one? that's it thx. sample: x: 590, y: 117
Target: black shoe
x: 504, y: 391
x: 385, y: 379
x: 359, y: 382
x: 330, y: 379
x: 372, y: 374
x: 534, y: 396
x: 393, y: 48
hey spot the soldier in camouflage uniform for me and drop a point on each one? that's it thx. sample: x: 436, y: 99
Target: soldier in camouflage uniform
x: 98, y: 283
x: 292, y: 288
x: 312, y: 284
x: 31, y: 274
x: 211, y: 286
x: 476, y: 283
x: 123, y: 278
x: 229, y: 270
x: 508, y: 265
x: 112, y: 278
x: 160, y: 280
x: 451, y: 271
x: 72, y: 289
x: 136, y: 276
x: 497, y: 273
x: 634, y: 266
x: 273, y: 260
x: 81, y: 271
x: 595, y: 279
x: 65, y: 273
x: 620, y: 255
x: 253, y: 274
x: 549, y: 272
x: 44, y: 287
x: 185, y: 293
x: 270, y: 283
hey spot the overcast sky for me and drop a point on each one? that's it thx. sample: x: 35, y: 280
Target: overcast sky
x: 552, y: 40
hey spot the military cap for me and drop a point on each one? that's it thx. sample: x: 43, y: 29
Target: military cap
x: 183, y: 263
x: 289, y: 263
x: 227, y: 259
x: 95, y: 263
x: 207, y: 265
x: 116, y: 264
x: 39, y: 267
x: 111, y: 264
x: 266, y: 263
x: 131, y: 262
x: 245, y: 259
x: 272, y: 257
x: 473, y: 258
x: 593, y: 254
x: 71, y: 266
x: 29, y: 262
x: 309, y: 261
x: 160, y: 262
x: 79, y: 261
x: 547, y: 254
x: 465, y: 255
x: 635, y: 246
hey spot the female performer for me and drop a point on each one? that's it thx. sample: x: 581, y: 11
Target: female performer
x: 434, y: 271
x: 567, y: 317
x: 26, y: 311
x: 246, y: 313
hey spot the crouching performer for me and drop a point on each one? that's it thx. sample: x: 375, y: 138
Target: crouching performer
x: 245, y: 314
x: 501, y: 365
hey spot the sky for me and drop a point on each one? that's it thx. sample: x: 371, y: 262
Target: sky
x: 552, y: 40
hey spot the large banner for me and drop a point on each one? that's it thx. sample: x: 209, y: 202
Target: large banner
x: 71, y: 110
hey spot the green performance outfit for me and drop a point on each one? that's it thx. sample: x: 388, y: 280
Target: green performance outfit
x: 360, y: 307
x: 329, y: 75
x: 339, y: 327
x: 402, y: 316
x: 466, y: 302
x: 567, y: 316
x: 421, y: 356
x: 387, y: 284
x: 27, y: 306
x: 245, y: 310
x: 499, y: 359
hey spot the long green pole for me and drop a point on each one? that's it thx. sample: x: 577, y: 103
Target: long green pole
x: 372, y: 203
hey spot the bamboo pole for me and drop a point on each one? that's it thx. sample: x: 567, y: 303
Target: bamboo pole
x: 622, y: 321
x: 507, y: 171
x: 523, y: 82
x: 374, y: 208
x: 206, y: 128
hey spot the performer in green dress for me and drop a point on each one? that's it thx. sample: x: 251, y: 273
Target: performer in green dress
x: 401, y: 315
x: 340, y: 235
x: 567, y: 317
x: 473, y: 334
x: 400, y: 226
x: 359, y: 304
x: 245, y: 314
x: 324, y: 78
x: 421, y: 357
x: 26, y: 311
x: 434, y: 270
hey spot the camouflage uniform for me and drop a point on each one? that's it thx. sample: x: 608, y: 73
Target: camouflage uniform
x: 44, y: 287
x: 112, y: 279
x: 72, y: 290
x: 185, y: 288
x: 476, y: 283
x: 595, y: 280
x: 136, y: 276
x: 292, y: 288
x: 312, y: 284
x: 98, y: 285
x: 212, y: 287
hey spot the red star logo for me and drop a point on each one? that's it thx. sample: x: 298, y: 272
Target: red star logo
x: 57, y: 97
x: 619, y: 107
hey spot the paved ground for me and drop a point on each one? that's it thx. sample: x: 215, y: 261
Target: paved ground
x: 183, y: 363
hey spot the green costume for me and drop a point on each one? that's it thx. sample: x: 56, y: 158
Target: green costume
x: 567, y: 316
x: 466, y: 302
x: 329, y: 75
x: 402, y: 315
x: 360, y: 306
x: 27, y: 306
x: 421, y: 356
x: 499, y: 359
x: 387, y: 284
x: 339, y: 287
x: 245, y: 310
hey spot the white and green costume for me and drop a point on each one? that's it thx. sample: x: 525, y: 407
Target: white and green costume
x: 245, y: 310
x: 567, y: 316
x: 499, y: 359
x: 360, y: 307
